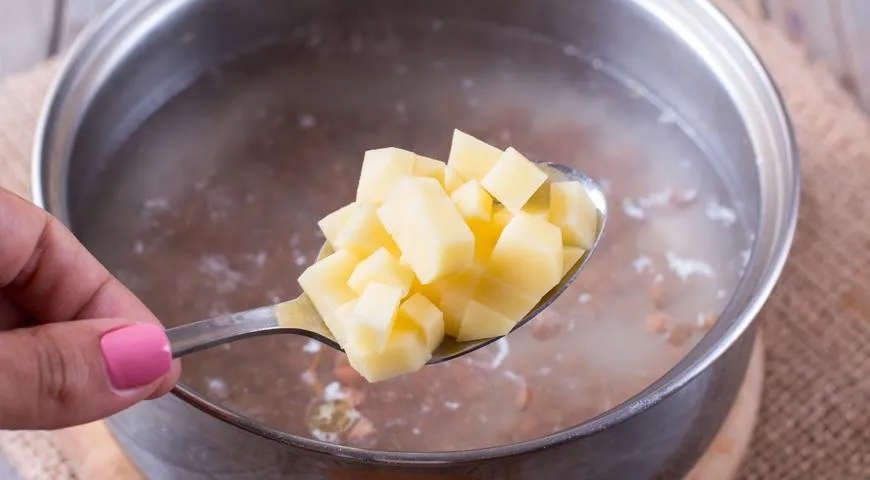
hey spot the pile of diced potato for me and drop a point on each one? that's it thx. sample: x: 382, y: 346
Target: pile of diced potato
x: 429, y: 249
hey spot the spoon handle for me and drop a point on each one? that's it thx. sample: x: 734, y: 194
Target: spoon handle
x: 197, y: 336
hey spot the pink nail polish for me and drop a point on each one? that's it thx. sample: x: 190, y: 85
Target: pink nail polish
x: 136, y: 355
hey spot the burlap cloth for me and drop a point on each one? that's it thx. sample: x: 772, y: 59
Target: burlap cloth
x: 815, y: 416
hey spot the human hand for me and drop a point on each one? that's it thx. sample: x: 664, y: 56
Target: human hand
x: 75, y: 344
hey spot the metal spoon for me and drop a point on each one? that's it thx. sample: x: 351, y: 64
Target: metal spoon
x: 299, y: 317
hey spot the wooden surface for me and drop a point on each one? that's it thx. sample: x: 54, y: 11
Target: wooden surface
x: 91, y: 451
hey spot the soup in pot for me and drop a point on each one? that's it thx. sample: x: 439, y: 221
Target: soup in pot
x: 210, y: 207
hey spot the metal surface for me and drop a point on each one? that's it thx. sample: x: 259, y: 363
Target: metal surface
x: 147, y: 51
x: 299, y: 317
x: 193, y: 337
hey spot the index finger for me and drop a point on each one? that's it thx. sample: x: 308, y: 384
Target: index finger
x: 50, y: 275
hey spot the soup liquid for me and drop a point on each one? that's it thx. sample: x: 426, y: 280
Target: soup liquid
x: 211, y: 207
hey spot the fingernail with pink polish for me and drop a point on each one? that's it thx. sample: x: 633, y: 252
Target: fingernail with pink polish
x: 136, y: 356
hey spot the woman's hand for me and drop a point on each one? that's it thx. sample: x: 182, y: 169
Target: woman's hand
x: 75, y: 344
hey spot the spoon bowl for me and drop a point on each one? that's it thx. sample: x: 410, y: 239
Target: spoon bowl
x: 299, y: 317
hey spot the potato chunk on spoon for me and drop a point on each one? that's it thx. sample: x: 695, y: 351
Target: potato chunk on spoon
x: 432, y: 261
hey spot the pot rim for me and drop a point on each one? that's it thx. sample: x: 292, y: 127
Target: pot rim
x: 693, y: 364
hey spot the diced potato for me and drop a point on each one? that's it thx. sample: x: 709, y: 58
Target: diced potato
x: 501, y: 216
x: 482, y: 322
x: 363, y: 233
x: 325, y: 283
x: 541, y: 197
x: 572, y: 210
x: 570, y: 257
x: 373, y: 317
x: 422, y: 313
x: 396, y: 214
x: 473, y: 202
x: 405, y: 352
x: 503, y: 298
x: 342, y: 317
x: 332, y: 224
x: 432, y: 236
x: 452, y: 180
x: 539, y: 204
x: 429, y: 167
x: 528, y: 255
x: 392, y: 217
x: 513, y: 180
x: 471, y: 157
x: 381, y: 267
x: 417, y: 287
x: 381, y: 170
x: 452, y: 295
x: 426, y: 252
x: 486, y: 233
x: 485, y: 237
x: 537, y: 211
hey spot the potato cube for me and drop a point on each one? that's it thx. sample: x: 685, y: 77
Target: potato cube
x: 325, y: 283
x: 396, y: 213
x: 528, y: 255
x: 433, y: 238
x: 425, y: 316
x: 482, y: 322
x: 432, y: 291
x: 381, y: 170
x: 392, y: 216
x: 513, y: 180
x: 473, y: 202
x: 363, y: 233
x: 537, y: 211
x: 486, y: 233
x: 429, y: 167
x: 471, y: 157
x: 485, y: 237
x: 405, y: 352
x: 343, y: 316
x: 572, y: 210
x: 501, y: 216
x: 452, y: 180
x: 570, y: 257
x: 383, y: 268
x: 539, y: 204
x: 332, y: 224
x: 503, y: 298
x: 452, y: 295
x: 541, y: 198
x: 373, y: 317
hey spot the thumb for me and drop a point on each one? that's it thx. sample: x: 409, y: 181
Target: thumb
x: 62, y: 374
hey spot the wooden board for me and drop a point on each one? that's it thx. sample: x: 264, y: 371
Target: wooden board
x: 92, y: 452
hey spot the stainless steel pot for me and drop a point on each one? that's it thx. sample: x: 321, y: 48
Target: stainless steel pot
x: 685, y: 54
